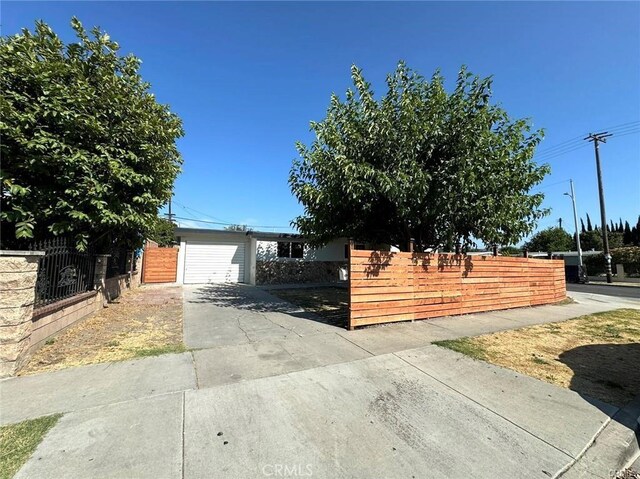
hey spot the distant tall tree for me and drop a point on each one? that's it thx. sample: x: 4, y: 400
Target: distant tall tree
x: 620, y: 226
x: 589, y: 226
x: 627, y: 237
x: 582, y: 228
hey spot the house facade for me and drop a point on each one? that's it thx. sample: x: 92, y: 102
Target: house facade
x: 254, y: 257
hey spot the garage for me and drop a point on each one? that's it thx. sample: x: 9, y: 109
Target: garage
x: 213, y: 258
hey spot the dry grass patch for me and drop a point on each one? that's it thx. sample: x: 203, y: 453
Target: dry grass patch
x: 19, y: 441
x: 143, y: 322
x: 596, y: 355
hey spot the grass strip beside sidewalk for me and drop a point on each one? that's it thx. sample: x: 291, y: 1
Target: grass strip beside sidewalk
x: 596, y: 355
x: 19, y: 441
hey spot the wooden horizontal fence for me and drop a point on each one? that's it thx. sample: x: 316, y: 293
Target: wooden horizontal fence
x: 159, y: 265
x: 385, y: 287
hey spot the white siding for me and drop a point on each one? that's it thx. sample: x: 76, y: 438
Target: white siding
x: 267, y: 250
x: 214, y: 262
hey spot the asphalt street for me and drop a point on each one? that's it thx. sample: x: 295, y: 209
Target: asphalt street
x: 604, y: 289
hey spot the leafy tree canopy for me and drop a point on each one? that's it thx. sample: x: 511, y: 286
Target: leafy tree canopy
x: 162, y: 232
x: 86, y: 149
x: 591, y: 240
x: 419, y: 163
x: 551, y: 239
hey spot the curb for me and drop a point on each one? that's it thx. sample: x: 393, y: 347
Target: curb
x: 615, y: 448
x: 621, y: 285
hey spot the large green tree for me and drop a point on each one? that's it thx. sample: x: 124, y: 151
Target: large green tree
x: 551, y: 239
x: 87, y: 150
x: 162, y: 231
x: 419, y: 163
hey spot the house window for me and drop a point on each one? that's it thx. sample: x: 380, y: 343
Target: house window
x: 355, y: 246
x: 287, y: 249
x: 284, y: 249
x: 297, y: 250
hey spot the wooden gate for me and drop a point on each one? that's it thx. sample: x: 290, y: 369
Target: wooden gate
x: 160, y: 265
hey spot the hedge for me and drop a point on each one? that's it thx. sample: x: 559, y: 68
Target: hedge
x: 628, y: 257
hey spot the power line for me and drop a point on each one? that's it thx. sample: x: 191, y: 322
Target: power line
x: 230, y: 224
x: 575, y: 143
x: 629, y: 124
x: 560, y: 152
x: 218, y: 221
x: 560, y: 148
x: 562, y: 144
x: 611, y: 128
x: 628, y: 133
x: 203, y: 221
x: 544, y: 187
x: 200, y: 212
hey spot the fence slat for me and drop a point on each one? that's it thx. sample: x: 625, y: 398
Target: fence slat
x: 160, y: 265
x: 386, y: 287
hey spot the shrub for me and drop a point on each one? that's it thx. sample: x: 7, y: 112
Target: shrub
x: 628, y: 257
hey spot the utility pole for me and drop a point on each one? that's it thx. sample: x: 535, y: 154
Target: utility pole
x: 597, y: 138
x: 572, y: 195
x: 170, y: 215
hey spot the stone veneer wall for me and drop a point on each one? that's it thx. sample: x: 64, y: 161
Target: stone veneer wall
x: 51, y: 319
x: 283, y: 272
x: 18, y: 274
x: 22, y: 329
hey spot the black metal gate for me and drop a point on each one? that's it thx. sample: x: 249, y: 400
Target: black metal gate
x: 64, y: 272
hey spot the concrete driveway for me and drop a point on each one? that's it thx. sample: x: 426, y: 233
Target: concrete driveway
x: 271, y: 391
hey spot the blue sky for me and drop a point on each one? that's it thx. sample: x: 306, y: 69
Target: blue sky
x: 246, y: 78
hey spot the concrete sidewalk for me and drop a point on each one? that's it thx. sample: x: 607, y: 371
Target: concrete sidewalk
x: 252, y: 335
x: 287, y: 391
x: 247, y: 333
x: 394, y: 415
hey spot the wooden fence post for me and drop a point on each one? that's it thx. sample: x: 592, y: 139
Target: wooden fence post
x: 349, y: 321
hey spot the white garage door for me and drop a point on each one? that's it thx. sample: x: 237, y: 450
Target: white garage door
x: 219, y: 262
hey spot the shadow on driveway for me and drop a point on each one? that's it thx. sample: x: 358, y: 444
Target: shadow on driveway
x: 251, y: 298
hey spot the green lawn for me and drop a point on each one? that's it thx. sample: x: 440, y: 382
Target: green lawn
x: 18, y: 441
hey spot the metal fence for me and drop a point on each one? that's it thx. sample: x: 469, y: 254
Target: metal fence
x: 119, y: 262
x: 64, y: 272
